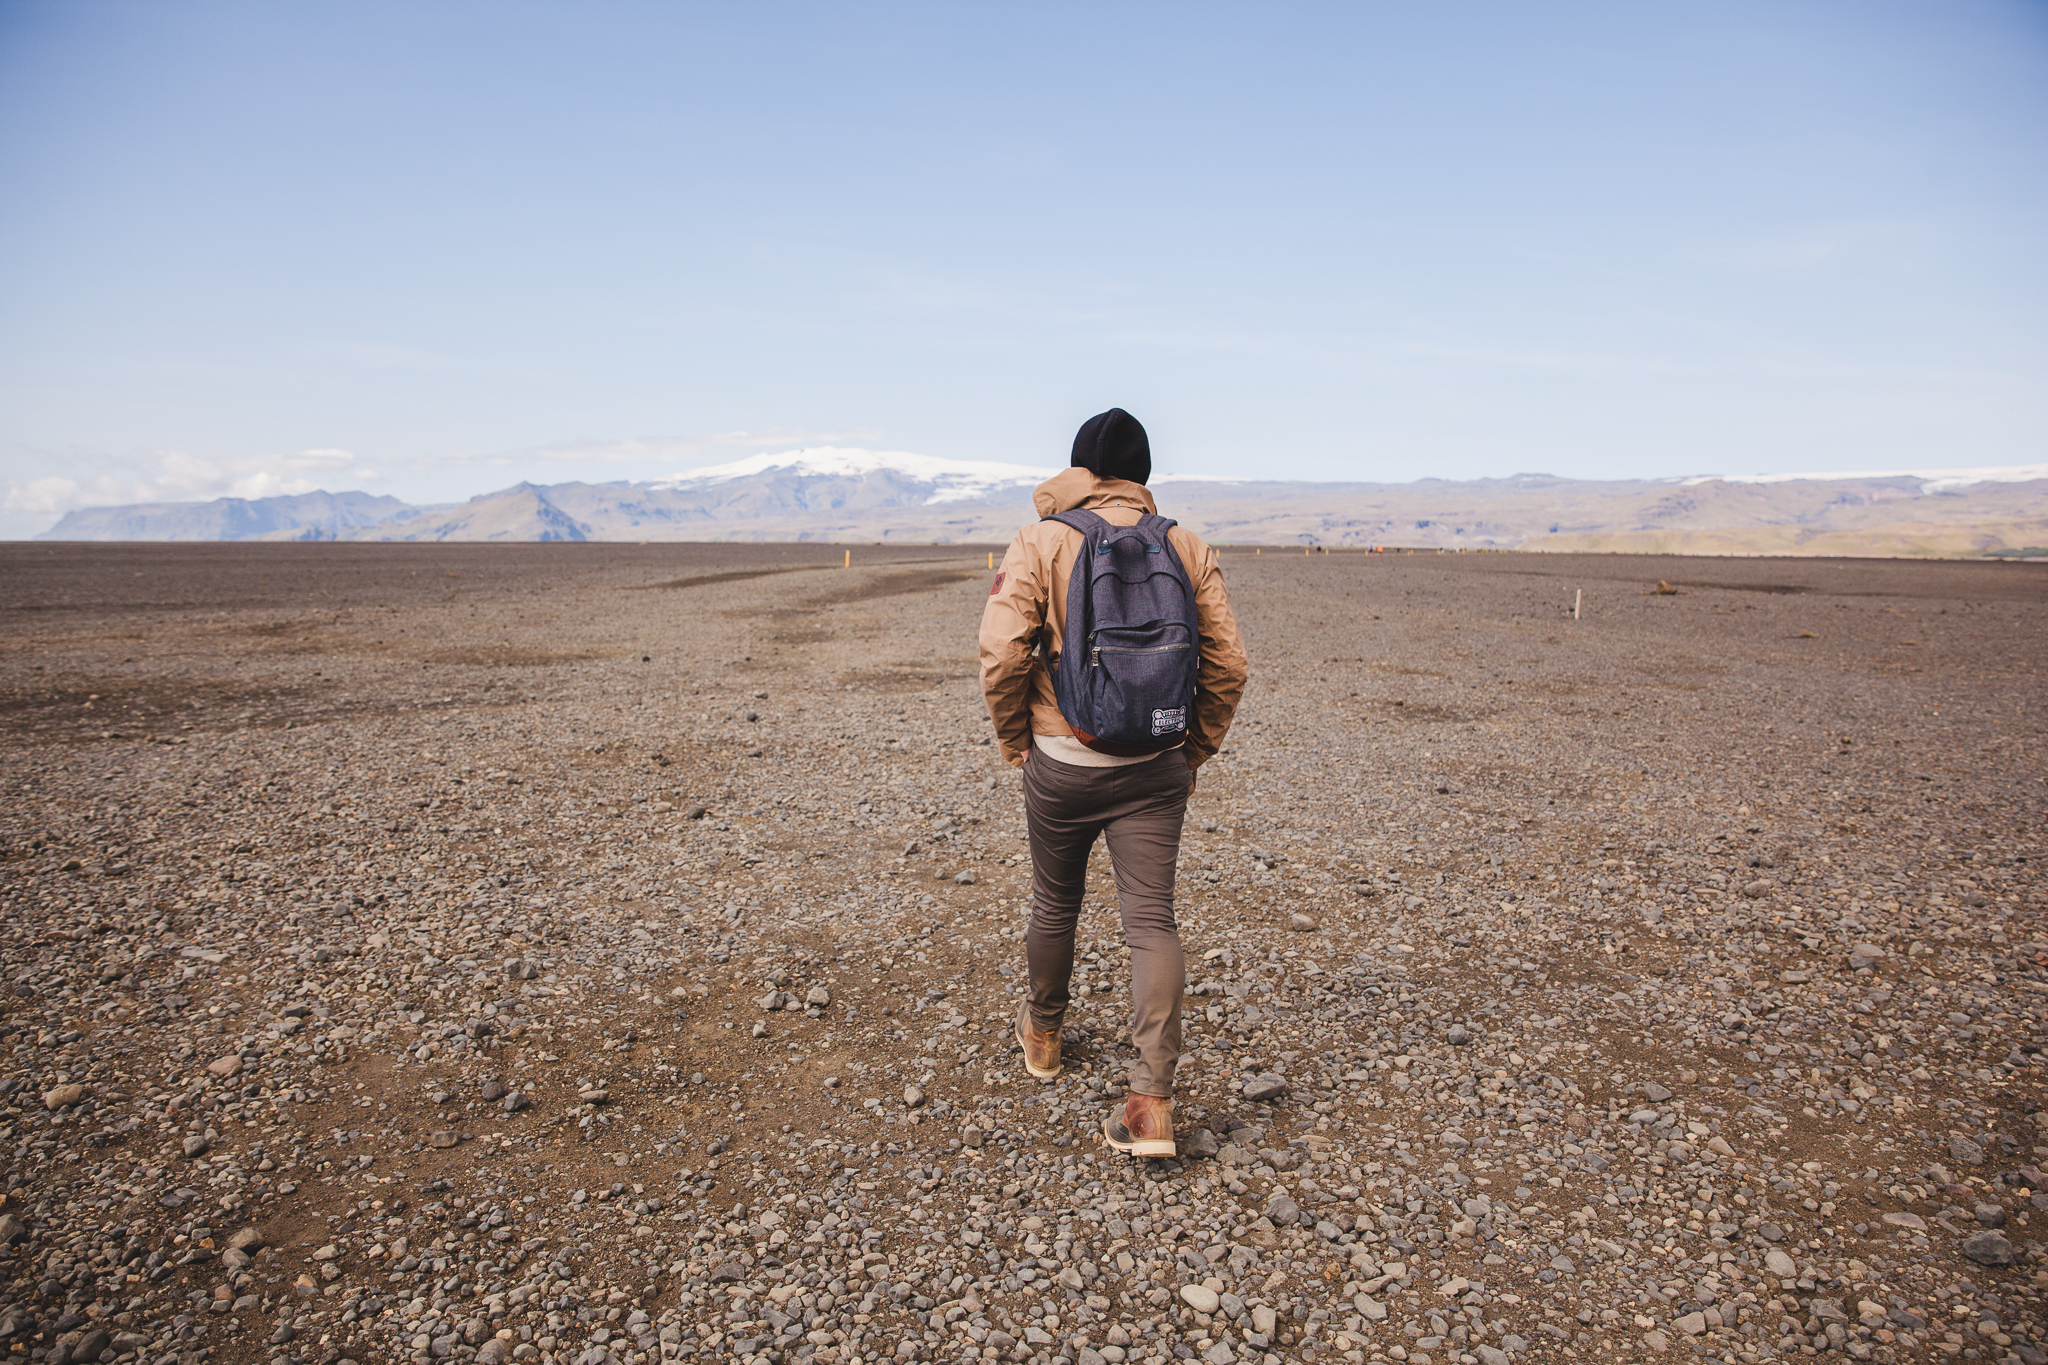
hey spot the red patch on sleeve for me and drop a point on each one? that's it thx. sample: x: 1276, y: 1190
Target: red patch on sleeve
x: 996, y: 586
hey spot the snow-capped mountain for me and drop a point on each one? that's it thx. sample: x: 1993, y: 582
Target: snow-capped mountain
x: 949, y: 480
x: 1930, y: 480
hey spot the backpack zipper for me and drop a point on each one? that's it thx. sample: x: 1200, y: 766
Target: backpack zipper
x: 1095, y: 653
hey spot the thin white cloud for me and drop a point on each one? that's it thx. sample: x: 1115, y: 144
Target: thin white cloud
x: 172, y: 476
x: 668, y: 449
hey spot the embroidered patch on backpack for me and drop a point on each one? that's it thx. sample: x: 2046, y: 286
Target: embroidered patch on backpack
x: 1170, y: 722
x: 996, y: 586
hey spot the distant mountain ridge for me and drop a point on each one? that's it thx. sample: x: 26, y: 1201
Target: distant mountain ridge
x: 232, y: 518
x: 860, y: 495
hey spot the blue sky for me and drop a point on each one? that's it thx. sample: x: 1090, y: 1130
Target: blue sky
x: 432, y: 249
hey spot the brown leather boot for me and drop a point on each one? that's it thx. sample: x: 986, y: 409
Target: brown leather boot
x: 1041, y: 1046
x: 1145, y: 1129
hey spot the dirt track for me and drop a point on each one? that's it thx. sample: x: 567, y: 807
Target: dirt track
x: 1676, y: 979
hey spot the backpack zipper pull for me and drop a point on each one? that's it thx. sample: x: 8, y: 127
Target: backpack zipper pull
x: 1095, y: 656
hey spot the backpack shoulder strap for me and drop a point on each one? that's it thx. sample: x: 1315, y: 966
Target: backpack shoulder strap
x: 1090, y: 526
x: 1154, y: 524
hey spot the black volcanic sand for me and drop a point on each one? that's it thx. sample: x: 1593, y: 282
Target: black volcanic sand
x: 589, y: 953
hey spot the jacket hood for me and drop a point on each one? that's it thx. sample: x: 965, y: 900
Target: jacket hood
x: 1077, y: 487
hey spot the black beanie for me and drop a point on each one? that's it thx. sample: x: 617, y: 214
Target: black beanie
x: 1113, y: 445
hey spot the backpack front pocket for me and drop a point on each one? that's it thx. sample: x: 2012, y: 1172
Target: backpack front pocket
x: 1142, y: 676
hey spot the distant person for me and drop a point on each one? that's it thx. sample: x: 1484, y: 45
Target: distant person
x: 1109, y: 688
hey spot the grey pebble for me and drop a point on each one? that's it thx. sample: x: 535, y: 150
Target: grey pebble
x: 1265, y: 1088
x: 1282, y: 1209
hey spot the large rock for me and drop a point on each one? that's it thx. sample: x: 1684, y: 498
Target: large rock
x: 1989, y: 1248
x: 1200, y: 1297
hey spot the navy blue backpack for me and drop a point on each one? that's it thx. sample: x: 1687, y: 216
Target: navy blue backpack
x: 1125, y: 677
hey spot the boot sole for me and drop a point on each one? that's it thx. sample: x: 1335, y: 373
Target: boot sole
x: 1051, y: 1075
x: 1130, y: 1146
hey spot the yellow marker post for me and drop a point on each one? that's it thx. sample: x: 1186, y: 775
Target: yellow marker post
x: 849, y: 560
x: 991, y: 559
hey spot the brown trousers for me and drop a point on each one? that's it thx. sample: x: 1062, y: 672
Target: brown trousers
x: 1138, y: 809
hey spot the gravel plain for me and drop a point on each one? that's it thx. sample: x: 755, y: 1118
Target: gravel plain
x: 594, y: 953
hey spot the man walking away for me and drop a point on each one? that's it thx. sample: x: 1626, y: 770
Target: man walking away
x: 1109, y: 717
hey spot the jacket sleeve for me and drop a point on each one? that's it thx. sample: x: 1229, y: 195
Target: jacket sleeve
x: 1010, y: 625
x: 1221, y: 674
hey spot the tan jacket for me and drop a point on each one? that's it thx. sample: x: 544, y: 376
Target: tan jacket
x: 1028, y: 602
